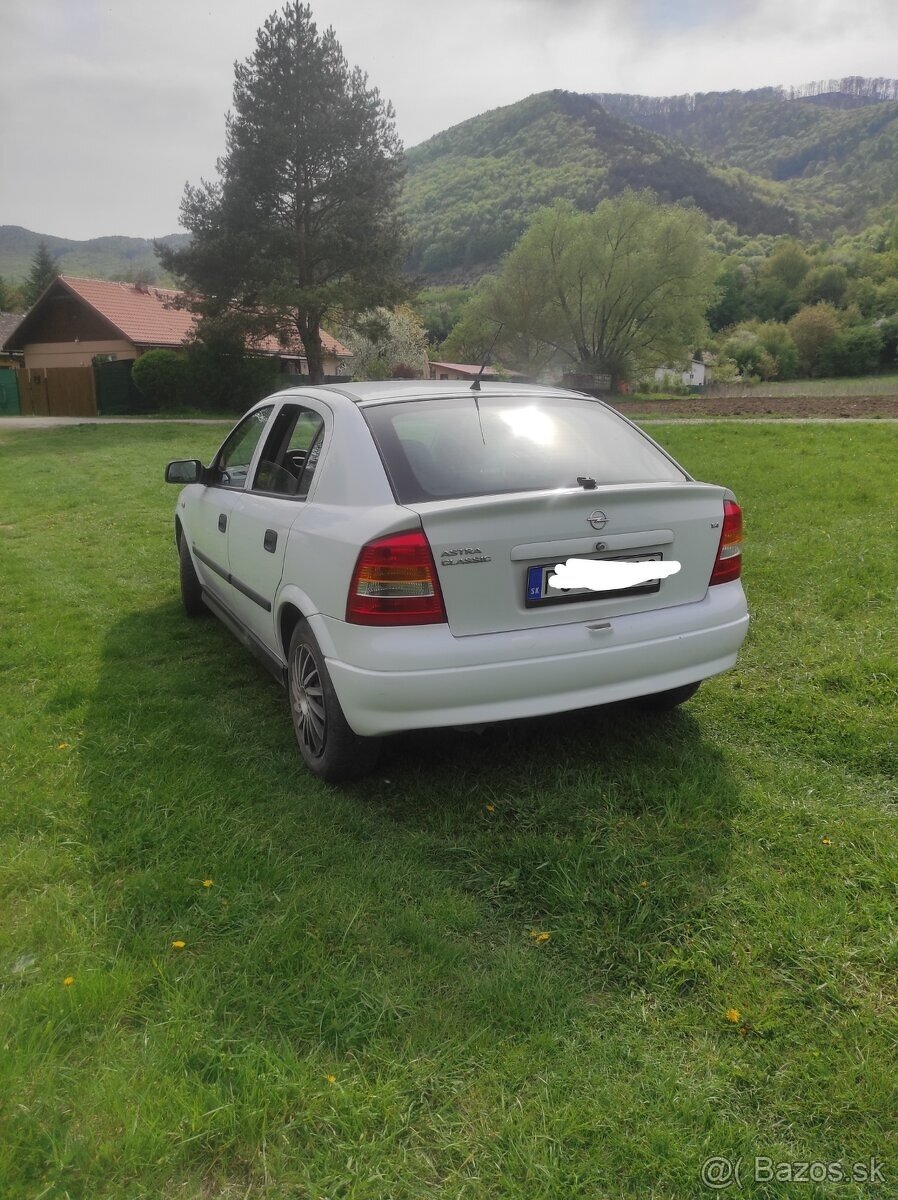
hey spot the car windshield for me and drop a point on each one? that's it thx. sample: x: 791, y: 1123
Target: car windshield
x: 447, y: 448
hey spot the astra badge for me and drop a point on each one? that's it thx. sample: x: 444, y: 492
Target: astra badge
x: 464, y: 554
x: 597, y: 519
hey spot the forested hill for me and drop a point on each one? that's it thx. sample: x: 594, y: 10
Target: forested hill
x: 833, y: 144
x: 814, y: 161
x: 471, y: 190
x: 100, y: 258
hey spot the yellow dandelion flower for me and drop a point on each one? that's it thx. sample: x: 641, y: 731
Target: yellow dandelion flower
x: 178, y: 944
x: 63, y: 746
x: 644, y: 883
x: 331, y: 1078
x: 207, y: 883
x: 826, y: 841
x: 68, y: 981
x: 733, y: 1015
x: 539, y: 936
x: 491, y: 808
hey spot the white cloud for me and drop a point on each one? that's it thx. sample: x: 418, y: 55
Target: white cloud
x: 110, y: 108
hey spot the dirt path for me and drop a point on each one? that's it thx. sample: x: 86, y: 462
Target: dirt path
x: 775, y: 407
x: 764, y: 420
x: 670, y: 412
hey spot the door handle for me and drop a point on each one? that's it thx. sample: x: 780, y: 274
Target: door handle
x: 270, y: 540
x: 222, y: 522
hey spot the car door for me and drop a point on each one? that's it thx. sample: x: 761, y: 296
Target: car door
x: 264, y: 513
x: 212, y: 506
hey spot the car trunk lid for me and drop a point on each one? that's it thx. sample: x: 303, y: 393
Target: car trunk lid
x: 484, y: 548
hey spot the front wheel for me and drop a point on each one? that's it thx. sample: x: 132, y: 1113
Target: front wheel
x: 662, y: 701
x: 328, y: 746
x: 191, y: 588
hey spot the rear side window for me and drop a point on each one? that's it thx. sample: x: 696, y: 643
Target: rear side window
x: 290, y: 453
x: 446, y: 448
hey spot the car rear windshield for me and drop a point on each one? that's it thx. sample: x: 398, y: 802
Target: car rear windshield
x: 446, y: 448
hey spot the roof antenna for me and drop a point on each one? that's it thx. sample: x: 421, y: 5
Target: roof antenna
x: 475, y: 386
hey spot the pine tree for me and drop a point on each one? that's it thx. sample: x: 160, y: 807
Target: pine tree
x: 302, y: 220
x: 43, y: 271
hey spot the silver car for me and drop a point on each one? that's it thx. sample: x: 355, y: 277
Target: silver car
x: 414, y: 554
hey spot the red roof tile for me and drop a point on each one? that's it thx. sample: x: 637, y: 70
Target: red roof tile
x: 143, y: 315
x: 330, y: 345
x: 146, y: 316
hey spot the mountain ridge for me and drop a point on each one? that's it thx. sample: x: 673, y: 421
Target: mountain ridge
x: 471, y: 189
x: 816, y: 161
x: 105, y: 257
x: 837, y: 161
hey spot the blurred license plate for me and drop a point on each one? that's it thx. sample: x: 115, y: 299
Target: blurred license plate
x: 539, y: 592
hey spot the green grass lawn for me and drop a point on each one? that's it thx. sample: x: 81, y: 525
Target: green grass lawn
x: 360, y: 1007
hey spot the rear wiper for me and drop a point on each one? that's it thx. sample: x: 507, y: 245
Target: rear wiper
x: 586, y: 482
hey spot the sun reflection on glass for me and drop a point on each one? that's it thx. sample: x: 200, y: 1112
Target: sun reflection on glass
x: 530, y: 423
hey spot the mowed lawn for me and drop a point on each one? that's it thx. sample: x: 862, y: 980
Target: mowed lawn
x: 362, y: 1006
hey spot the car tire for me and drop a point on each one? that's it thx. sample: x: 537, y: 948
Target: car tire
x: 663, y: 701
x: 328, y: 746
x: 191, y: 588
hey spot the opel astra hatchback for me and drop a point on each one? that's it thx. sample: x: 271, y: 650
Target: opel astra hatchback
x: 412, y: 555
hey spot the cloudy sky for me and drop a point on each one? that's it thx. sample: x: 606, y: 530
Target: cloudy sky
x: 108, y: 107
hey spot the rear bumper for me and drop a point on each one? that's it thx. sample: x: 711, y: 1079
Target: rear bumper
x: 497, y: 677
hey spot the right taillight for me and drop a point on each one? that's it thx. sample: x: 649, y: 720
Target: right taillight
x: 728, y: 564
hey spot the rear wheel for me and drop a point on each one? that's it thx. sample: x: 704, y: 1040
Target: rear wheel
x: 662, y: 701
x: 191, y: 589
x: 328, y: 746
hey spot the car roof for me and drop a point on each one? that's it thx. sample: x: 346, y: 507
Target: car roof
x: 417, y: 389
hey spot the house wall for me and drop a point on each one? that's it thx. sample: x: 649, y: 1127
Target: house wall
x: 332, y: 365
x: 74, y: 354
x: 694, y: 376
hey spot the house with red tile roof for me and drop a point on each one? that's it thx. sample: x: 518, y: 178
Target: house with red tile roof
x: 449, y: 370
x: 77, y: 321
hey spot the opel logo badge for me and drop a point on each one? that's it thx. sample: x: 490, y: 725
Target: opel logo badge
x: 597, y: 519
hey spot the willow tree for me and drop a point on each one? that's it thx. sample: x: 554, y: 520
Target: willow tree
x: 603, y: 292
x: 301, y: 221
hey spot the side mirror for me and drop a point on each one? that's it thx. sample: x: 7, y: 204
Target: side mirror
x: 185, y: 470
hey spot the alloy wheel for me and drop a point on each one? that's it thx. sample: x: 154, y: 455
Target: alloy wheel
x: 307, y: 696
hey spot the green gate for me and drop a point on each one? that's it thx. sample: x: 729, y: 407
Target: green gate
x: 9, y: 393
x: 116, y: 393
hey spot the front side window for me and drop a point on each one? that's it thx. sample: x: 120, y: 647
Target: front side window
x: 290, y: 452
x: 236, y: 454
x: 451, y: 447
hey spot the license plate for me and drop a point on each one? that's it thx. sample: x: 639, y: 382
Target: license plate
x: 539, y: 592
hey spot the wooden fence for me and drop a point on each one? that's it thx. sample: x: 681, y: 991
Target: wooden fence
x: 57, y: 391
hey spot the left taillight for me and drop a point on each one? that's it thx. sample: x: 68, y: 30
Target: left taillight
x: 728, y: 564
x: 395, y: 583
